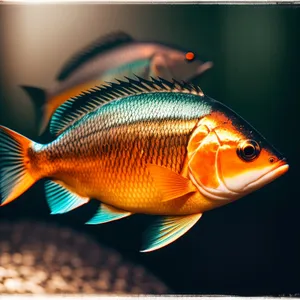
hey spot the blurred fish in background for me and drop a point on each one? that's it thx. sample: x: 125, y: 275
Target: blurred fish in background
x: 114, y: 56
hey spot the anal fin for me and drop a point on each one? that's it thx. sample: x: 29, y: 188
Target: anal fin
x: 107, y: 213
x: 167, y: 230
x: 62, y: 200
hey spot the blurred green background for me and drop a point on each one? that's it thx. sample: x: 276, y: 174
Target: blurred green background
x: 250, y: 247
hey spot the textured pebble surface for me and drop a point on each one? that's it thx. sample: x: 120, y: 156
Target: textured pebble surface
x: 41, y: 258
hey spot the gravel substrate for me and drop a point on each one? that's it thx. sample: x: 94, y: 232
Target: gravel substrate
x: 42, y: 258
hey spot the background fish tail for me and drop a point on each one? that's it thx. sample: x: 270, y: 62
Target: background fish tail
x: 38, y: 97
x: 15, y: 168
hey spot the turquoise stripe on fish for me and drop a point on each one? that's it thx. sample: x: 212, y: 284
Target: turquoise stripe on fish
x: 135, y: 67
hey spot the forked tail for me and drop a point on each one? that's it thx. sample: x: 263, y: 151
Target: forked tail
x: 15, y: 175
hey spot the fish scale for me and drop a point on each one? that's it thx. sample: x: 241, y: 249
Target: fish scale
x: 118, y: 139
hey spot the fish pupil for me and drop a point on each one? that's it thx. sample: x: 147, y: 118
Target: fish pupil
x: 249, y: 150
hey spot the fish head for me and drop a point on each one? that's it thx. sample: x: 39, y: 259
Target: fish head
x: 228, y: 158
x: 175, y: 64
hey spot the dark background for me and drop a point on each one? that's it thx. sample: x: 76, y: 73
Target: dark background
x: 250, y: 247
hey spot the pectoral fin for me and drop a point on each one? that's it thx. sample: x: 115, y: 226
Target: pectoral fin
x: 159, y: 68
x: 62, y: 200
x: 170, y: 184
x: 167, y: 230
x: 107, y: 213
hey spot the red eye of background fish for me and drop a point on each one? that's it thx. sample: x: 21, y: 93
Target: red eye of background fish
x: 248, y: 150
x: 189, y: 56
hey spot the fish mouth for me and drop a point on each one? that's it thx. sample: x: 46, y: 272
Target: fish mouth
x: 230, y: 195
x: 280, y: 169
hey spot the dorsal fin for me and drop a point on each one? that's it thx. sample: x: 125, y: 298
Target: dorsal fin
x: 102, y: 44
x: 75, y: 108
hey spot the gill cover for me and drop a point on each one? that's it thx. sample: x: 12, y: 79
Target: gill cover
x: 203, y: 149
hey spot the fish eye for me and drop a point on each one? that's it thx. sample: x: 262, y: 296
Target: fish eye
x: 189, y: 56
x: 248, y: 150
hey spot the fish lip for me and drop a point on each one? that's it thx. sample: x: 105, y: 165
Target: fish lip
x: 278, y: 170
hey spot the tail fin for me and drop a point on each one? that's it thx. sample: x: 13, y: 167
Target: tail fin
x: 38, y: 97
x: 15, y: 177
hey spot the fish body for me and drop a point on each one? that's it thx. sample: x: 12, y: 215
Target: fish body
x: 150, y: 147
x: 115, y: 56
x: 114, y: 155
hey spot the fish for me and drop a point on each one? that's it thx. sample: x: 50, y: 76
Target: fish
x: 114, y: 56
x: 139, y: 146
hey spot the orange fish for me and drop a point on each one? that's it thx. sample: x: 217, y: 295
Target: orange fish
x: 116, y: 55
x: 148, y: 147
